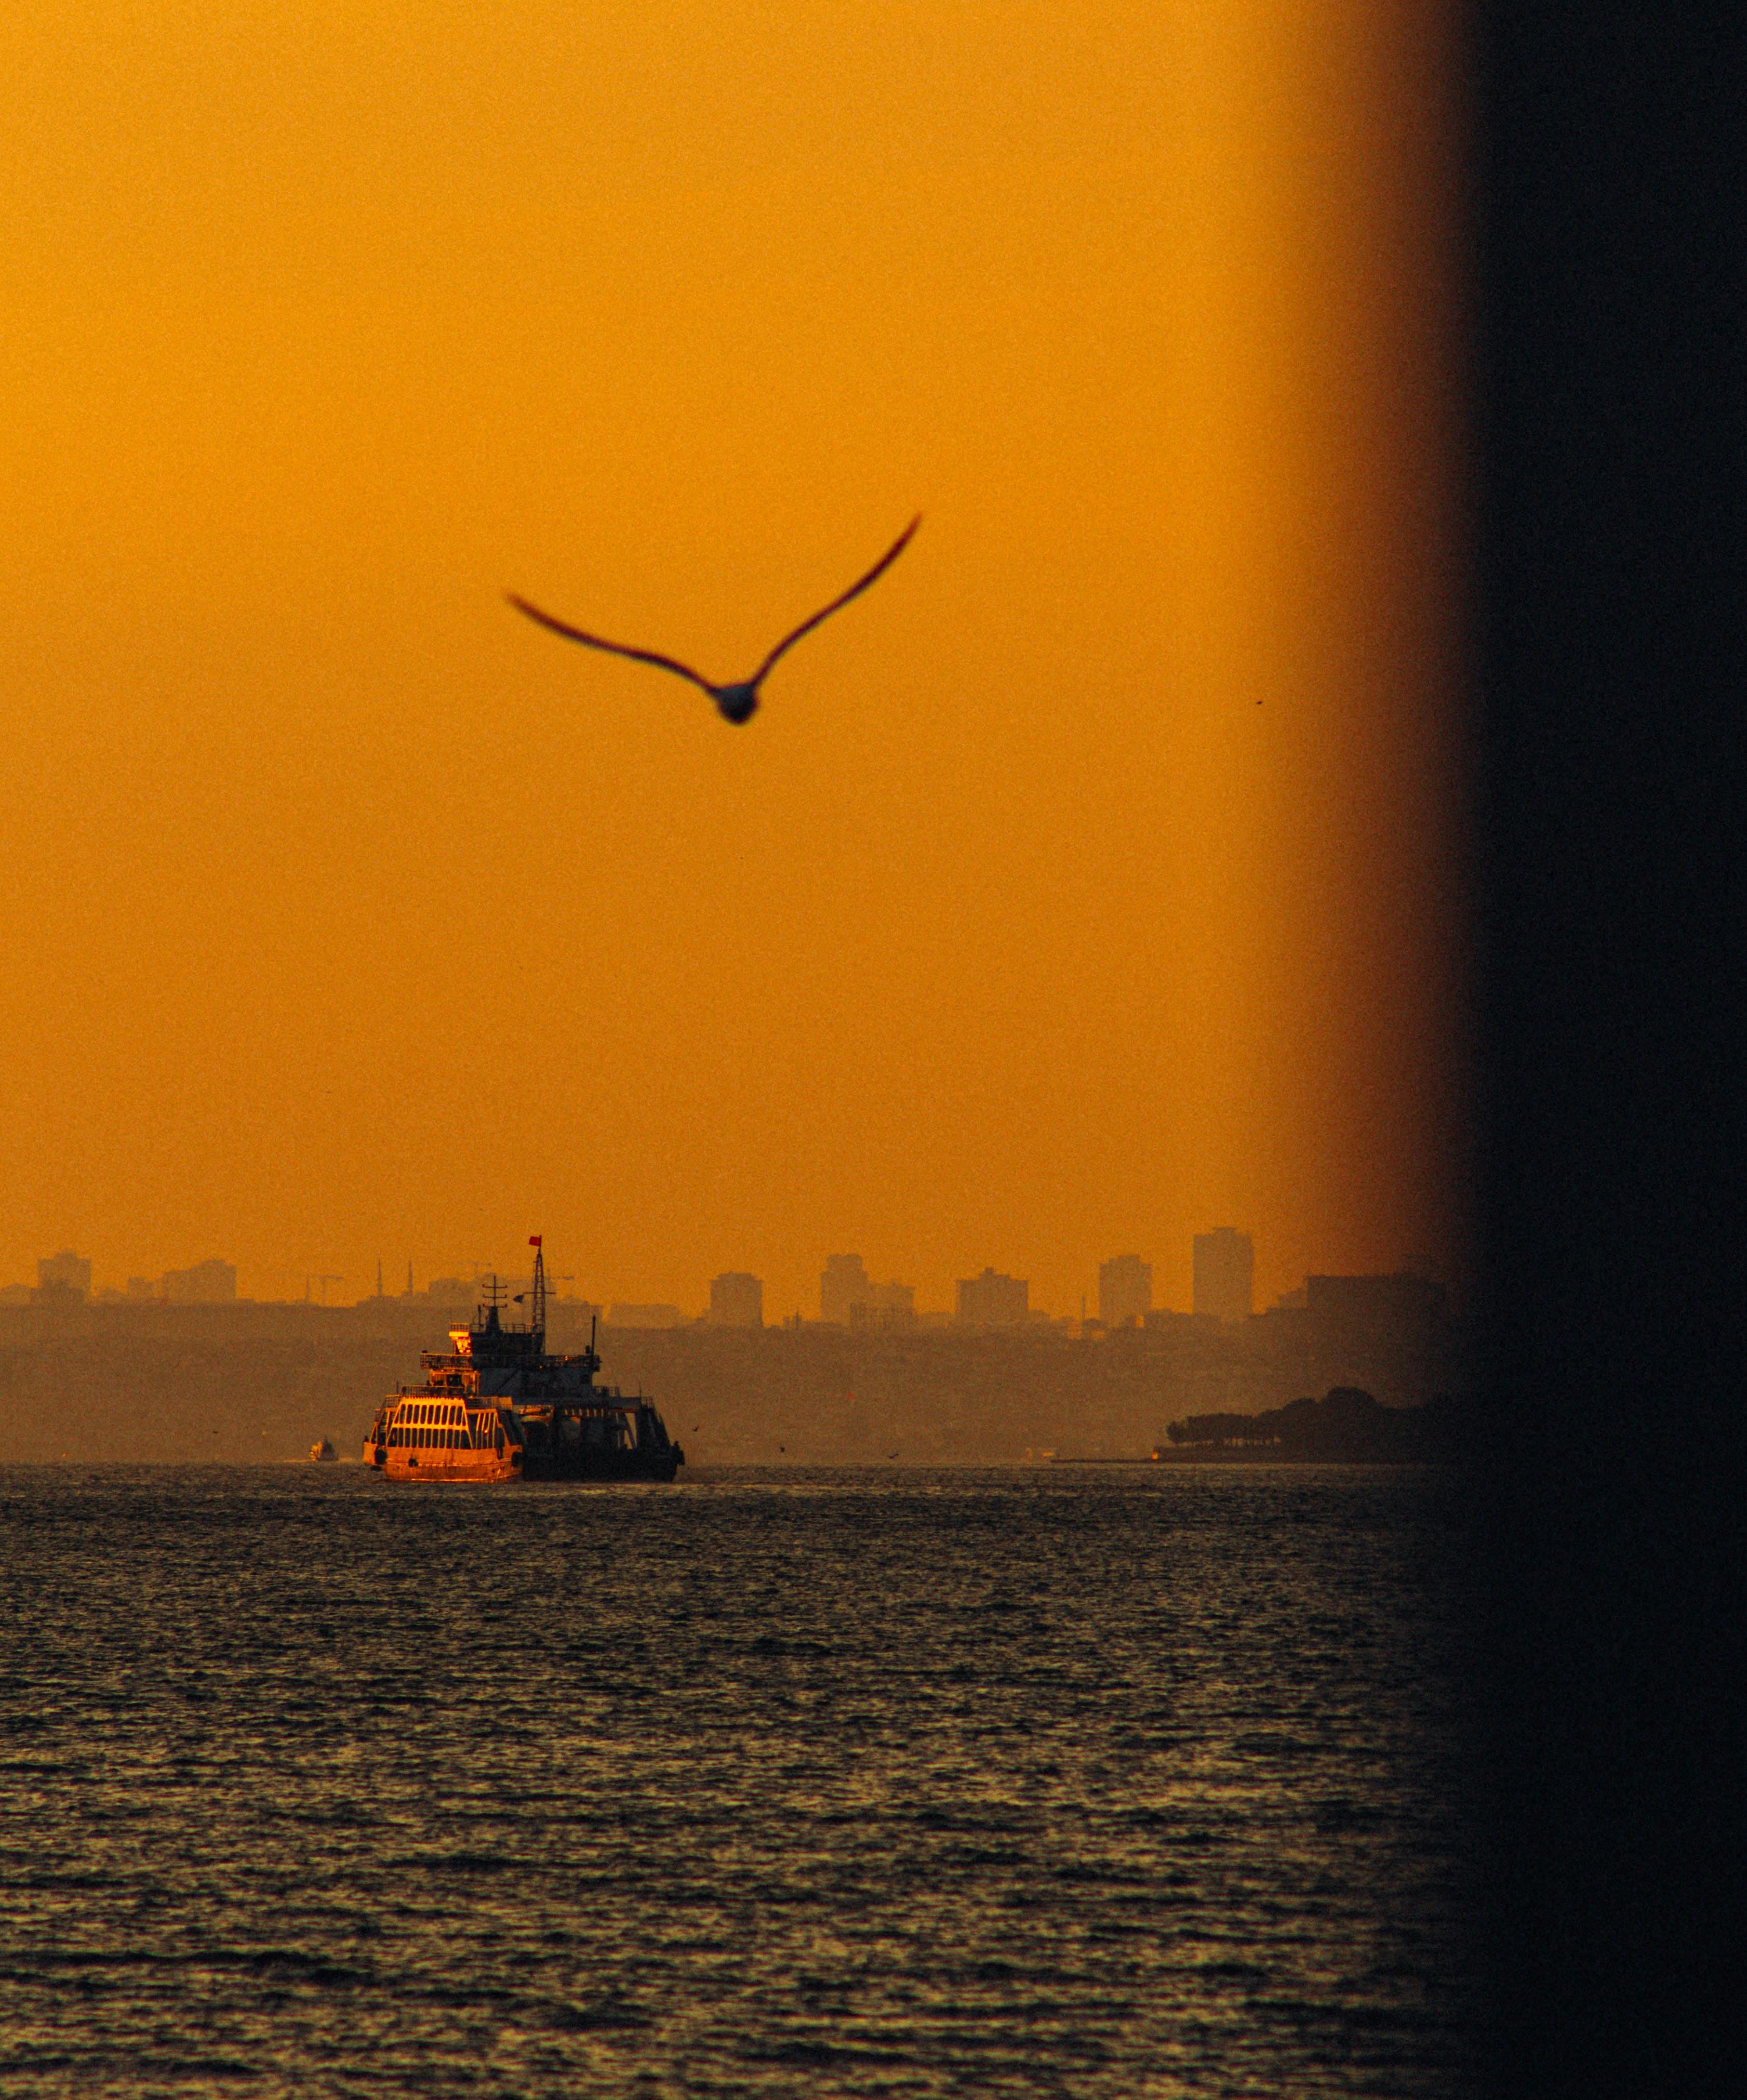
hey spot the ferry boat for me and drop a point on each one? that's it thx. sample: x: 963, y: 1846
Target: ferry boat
x: 495, y: 1406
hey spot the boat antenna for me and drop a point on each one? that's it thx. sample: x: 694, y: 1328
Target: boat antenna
x: 539, y: 1307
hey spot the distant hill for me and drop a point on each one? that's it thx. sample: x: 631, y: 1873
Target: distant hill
x: 1346, y: 1424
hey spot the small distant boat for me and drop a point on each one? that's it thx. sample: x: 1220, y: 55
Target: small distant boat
x: 324, y: 1452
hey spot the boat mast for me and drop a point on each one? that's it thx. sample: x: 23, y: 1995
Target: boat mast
x: 538, y: 1308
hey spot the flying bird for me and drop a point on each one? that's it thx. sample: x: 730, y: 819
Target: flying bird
x: 738, y: 703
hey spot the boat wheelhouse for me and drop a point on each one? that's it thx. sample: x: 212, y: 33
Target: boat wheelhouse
x: 495, y: 1406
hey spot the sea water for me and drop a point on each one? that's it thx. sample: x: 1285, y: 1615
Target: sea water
x: 1066, y: 1780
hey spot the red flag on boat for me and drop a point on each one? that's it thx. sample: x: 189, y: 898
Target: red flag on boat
x: 534, y: 1239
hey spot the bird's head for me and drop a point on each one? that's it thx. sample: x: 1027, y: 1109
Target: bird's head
x: 738, y: 704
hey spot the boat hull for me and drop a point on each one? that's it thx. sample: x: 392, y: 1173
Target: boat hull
x: 437, y: 1469
x: 604, y: 1465
x: 441, y: 1468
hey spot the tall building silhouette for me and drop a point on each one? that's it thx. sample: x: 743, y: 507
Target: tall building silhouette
x: 207, y: 1283
x: 993, y: 1300
x: 845, y: 1285
x: 1125, y: 1289
x: 736, y: 1300
x: 65, y: 1271
x: 892, y: 1305
x: 1224, y: 1274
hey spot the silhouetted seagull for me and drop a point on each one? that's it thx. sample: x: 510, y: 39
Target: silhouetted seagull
x: 738, y: 703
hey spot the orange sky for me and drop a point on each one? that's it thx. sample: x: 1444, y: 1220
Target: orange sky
x: 1089, y: 883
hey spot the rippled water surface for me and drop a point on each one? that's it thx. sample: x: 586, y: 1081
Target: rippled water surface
x: 1086, y: 1782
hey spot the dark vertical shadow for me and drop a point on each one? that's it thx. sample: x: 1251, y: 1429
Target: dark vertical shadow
x: 1609, y: 401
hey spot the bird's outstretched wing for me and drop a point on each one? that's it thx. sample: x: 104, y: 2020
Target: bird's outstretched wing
x: 612, y: 648
x: 855, y: 590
